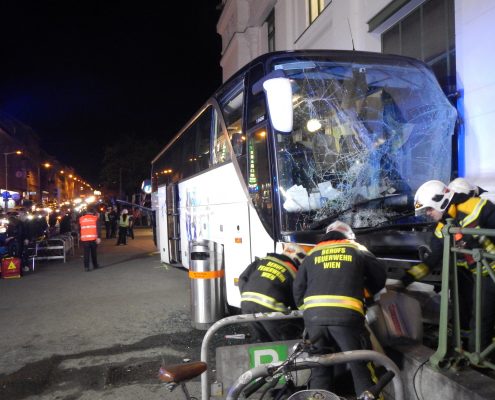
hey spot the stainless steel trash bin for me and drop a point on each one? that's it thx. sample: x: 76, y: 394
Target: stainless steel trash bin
x: 206, y: 274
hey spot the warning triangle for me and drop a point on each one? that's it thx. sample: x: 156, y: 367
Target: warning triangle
x: 11, y: 265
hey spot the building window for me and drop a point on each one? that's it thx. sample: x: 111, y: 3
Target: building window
x: 427, y: 34
x: 270, y: 21
x: 315, y: 8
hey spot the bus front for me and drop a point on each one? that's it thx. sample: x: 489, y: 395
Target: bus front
x: 363, y: 133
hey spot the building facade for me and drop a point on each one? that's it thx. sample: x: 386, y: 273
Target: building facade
x: 452, y: 36
x: 27, y: 171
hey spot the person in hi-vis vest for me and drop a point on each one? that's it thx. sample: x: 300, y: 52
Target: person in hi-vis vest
x: 89, y: 230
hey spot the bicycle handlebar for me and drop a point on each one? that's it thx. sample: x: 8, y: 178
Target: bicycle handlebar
x: 327, y: 360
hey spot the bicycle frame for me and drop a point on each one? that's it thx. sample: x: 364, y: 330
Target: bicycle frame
x: 325, y: 360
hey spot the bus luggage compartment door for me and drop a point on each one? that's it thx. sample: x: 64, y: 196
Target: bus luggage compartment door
x: 173, y: 225
x: 207, y: 275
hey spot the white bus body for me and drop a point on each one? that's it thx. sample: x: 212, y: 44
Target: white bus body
x: 356, y: 137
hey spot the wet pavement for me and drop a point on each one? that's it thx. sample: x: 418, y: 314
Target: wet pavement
x: 69, y: 334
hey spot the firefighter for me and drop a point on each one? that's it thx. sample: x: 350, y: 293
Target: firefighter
x: 330, y: 287
x: 462, y: 185
x: 464, y: 276
x: 437, y: 201
x: 266, y: 286
x: 90, y: 233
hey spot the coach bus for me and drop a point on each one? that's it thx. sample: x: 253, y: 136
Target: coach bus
x: 295, y: 140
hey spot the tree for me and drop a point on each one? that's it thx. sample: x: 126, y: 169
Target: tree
x: 126, y: 163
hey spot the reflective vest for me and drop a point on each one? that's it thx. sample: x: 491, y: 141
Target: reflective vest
x: 124, y: 223
x: 268, y: 283
x: 88, y: 227
x: 467, y: 215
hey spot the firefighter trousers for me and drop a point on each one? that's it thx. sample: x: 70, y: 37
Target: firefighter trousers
x: 330, y: 338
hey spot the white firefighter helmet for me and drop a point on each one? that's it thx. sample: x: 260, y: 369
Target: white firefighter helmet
x: 295, y: 252
x: 342, y: 227
x: 434, y: 194
x: 462, y: 185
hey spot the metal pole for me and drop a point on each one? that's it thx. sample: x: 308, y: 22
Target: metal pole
x: 120, y: 183
x: 234, y: 319
x: 6, y: 171
x: 39, y: 184
x: 438, y: 359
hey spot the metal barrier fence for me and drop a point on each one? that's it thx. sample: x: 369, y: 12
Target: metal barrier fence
x: 235, y: 319
x: 484, y: 255
x: 55, y: 248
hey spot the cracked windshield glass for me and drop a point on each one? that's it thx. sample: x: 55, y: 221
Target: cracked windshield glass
x: 365, y: 137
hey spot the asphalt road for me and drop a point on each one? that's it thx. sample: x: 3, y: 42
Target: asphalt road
x: 67, y: 334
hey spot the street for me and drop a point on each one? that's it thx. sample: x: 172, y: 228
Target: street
x: 70, y: 334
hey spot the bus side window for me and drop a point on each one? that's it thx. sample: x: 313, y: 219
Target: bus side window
x: 232, y: 112
x: 203, y: 134
x: 259, y: 179
x: 220, y: 149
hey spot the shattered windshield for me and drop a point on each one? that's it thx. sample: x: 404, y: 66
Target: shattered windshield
x: 365, y: 137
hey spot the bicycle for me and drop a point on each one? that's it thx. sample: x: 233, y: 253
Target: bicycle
x: 270, y: 374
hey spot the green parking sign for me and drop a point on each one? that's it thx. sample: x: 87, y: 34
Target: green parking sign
x: 259, y: 355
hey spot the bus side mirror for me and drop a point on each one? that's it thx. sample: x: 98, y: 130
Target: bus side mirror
x: 279, y: 99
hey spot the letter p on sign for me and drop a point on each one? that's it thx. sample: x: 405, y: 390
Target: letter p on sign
x: 266, y: 354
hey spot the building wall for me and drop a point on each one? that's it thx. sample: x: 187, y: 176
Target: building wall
x: 475, y: 59
x: 243, y: 30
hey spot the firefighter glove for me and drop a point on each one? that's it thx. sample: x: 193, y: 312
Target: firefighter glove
x: 415, y: 273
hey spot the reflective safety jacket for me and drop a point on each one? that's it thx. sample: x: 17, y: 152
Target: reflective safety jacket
x: 330, y: 284
x: 475, y: 212
x: 268, y: 283
x: 124, y: 223
x: 89, y: 227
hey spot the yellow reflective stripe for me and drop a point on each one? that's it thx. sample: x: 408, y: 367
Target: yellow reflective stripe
x: 463, y: 264
x: 484, y: 271
x: 419, y: 271
x: 438, y: 230
x: 333, y: 301
x: 341, y: 243
x: 263, y: 300
x: 276, y: 261
x: 474, y: 214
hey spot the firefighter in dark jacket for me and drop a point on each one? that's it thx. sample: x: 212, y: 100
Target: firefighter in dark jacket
x: 330, y: 288
x: 266, y: 286
x: 438, y: 202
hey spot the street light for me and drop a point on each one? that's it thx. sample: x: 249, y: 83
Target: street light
x: 7, y: 167
x: 40, y: 195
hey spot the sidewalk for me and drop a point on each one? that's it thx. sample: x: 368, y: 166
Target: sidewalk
x: 72, y: 334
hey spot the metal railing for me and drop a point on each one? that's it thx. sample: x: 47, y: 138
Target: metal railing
x: 55, y: 248
x: 302, y: 362
x: 235, y: 319
x: 443, y: 357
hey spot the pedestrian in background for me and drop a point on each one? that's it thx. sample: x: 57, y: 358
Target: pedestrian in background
x: 108, y: 223
x: 130, y: 230
x: 330, y: 288
x: 65, y: 224
x: 123, y: 226
x: 90, y: 233
x: 114, y: 216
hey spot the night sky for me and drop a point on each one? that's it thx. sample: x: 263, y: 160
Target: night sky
x: 86, y: 72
